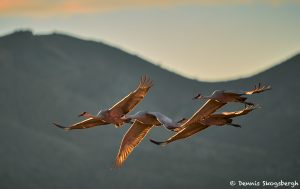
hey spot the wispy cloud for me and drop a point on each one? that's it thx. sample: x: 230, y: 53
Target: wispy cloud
x: 69, y: 7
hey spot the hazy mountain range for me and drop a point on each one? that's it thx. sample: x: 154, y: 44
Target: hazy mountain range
x: 52, y: 78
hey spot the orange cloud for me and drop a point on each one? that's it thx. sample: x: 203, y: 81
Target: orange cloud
x: 66, y: 7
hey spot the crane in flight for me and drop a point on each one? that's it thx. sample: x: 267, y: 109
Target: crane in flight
x: 234, y: 96
x: 192, y: 128
x: 143, y: 122
x: 204, y: 116
x: 114, y: 114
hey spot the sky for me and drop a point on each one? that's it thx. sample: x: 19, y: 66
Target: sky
x: 209, y: 40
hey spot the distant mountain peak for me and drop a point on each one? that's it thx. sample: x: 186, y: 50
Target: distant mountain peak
x: 21, y: 32
x: 65, y: 41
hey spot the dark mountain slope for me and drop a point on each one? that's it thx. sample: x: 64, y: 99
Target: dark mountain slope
x: 48, y: 78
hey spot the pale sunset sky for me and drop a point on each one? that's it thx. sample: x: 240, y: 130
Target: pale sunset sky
x: 208, y: 40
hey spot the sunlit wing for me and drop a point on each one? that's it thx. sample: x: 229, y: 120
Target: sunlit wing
x: 186, y: 132
x: 245, y: 111
x: 87, y: 123
x: 130, y: 101
x: 257, y: 89
x: 131, y: 139
x: 206, y: 110
x: 193, y: 125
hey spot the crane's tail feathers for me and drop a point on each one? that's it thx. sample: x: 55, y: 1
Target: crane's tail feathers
x: 252, y: 107
x: 158, y: 143
x: 127, y: 120
x: 62, y: 127
x: 249, y: 103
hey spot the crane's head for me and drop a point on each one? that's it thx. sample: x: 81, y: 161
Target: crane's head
x: 198, y: 96
x: 85, y: 114
x: 82, y: 114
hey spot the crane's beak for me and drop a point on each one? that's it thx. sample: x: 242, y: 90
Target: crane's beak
x: 82, y: 114
x: 198, y: 96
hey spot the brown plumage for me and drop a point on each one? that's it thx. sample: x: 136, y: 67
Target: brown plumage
x: 144, y: 122
x: 234, y: 96
x: 211, y: 106
x: 87, y: 123
x: 131, y: 139
x: 127, y: 104
x: 206, y: 110
x: 115, y: 113
x: 191, y: 128
x: 225, y: 118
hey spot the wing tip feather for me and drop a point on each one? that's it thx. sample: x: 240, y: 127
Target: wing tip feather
x: 145, y: 82
x: 164, y: 143
x: 61, y: 127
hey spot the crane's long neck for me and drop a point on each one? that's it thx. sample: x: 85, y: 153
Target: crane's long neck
x: 205, y: 97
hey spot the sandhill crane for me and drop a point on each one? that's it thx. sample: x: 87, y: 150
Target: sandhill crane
x: 192, y: 128
x: 234, y: 96
x: 212, y: 105
x: 114, y: 114
x: 143, y: 122
x: 225, y: 118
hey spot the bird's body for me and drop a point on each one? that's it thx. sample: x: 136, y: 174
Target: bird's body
x: 114, y: 114
x: 191, y: 128
x: 234, y: 96
x: 111, y: 117
x: 154, y: 118
x: 225, y: 118
x: 144, y: 117
x: 216, y: 121
x: 225, y: 97
x: 144, y: 121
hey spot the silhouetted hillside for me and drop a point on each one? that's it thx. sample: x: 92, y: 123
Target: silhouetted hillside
x: 52, y: 78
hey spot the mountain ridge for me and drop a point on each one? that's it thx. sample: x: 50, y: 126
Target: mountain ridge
x: 45, y: 79
x: 29, y: 33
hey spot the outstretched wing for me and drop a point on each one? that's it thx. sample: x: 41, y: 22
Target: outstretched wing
x: 186, y: 132
x: 131, y: 139
x: 193, y: 125
x: 130, y: 101
x: 212, y: 105
x: 245, y: 111
x: 257, y: 89
x: 87, y: 123
x: 206, y: 110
